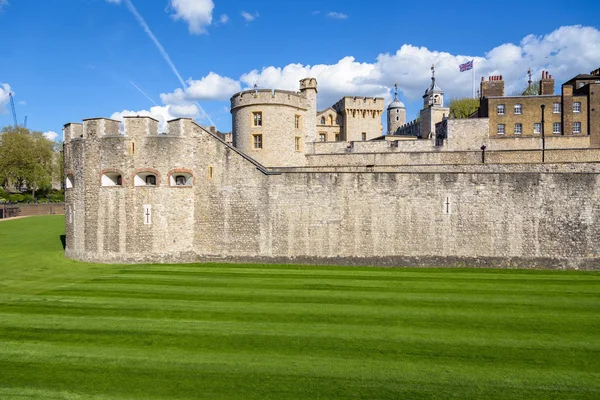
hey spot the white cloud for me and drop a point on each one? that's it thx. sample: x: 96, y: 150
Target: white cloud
x: 249, y: 17
x: 210, y: 87
x: 114, y: 1
x: 22, y: 103
x: 3, y: 3
x: 197, y: 13
x: 161, y: 113
x: 223, y: 19
x: 337, y: 15
x: 564, y: 52
x: 50, y: 135
x: 4, y: 99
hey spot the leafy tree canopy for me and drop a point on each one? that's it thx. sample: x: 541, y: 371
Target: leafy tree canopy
x: 463, y: 108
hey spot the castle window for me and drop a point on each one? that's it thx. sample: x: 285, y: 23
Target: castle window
x: 257, y: 141
x: 397, y: 118
x: 211, y: 172
x: 397, y: 111
x: 500, y: 129
x: 257, y: 118
x: 337, y: 137
x: 150, y: 180
x: 109, y: 179
x: 363, y: 136
x: 556, y: 108
x: 69, y: 181
x: 556, y: 127
x: 576, y: 107
x: 297, y: 143
x: 297, y: 121
x: 518, y: 129
x: 322, y: 120
x: 500, y: 109
x: 518, y: 109
x: 331, y: 120
x: 580, y: 84
x: 576, y: 127
x: 145, y: 178
x: 322, y: 137
x: 181, y: 178
x: 537, y: 128
x: 337, y: 120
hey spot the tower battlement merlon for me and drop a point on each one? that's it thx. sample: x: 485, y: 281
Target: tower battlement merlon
x: 98, y: 127
x: 358, y: 102
x: 140, y: 125
x: 269, y: 96
x: 72, y: 130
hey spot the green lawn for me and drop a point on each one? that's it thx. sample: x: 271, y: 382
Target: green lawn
x: 72, y: 330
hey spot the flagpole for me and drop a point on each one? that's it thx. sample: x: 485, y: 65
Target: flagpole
x: 473, y: 81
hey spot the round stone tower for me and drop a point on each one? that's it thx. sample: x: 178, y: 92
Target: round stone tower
x: 396, y: 114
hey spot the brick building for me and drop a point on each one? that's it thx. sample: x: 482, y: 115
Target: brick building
x: 573, y: 112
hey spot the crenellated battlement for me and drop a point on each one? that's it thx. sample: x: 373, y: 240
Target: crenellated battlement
x: 268, y: 96
x: 132, y: 127
x: 360, y: 103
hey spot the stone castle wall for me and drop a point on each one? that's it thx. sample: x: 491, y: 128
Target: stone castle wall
x: 484, y: 215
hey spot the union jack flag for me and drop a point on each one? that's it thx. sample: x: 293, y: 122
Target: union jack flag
x: 466, y: 66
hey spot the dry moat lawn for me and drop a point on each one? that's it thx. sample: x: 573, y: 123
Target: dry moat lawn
x: 72, y: 330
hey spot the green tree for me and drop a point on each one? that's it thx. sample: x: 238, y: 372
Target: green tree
x: 463, y: 108
x: 26, y: 159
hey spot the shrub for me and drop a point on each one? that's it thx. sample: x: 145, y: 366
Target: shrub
x: 16, y: 198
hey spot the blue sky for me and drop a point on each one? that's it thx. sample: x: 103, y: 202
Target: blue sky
x: 66, y: 60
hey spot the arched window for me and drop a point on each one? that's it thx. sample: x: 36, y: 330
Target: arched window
x: 322, y: 120
x: 148, y: 177
x: 69, y: 181
x: 337, y: 120
x: 181, y: 178
x: 331, y: 120
x: 111, y: 178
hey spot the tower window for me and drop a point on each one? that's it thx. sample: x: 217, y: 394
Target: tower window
x: 576, y: 107
x: 257, y: 118
x: 322, y: 120
x: 258, y: 141
x: 180, y: 180
x: 297, y: 143
x: 111, y: 179
x: 363, y: 136
x: 500, y: 109
x: 500, y: 129
x: 322, y: 137
x: 576, y: 127
x: 397, y: 118
x: 297, y: 121
x: 69, y: 181
x: 150, y: 180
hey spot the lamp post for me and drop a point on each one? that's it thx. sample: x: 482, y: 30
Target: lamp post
x: 543, y: 107
x: 483, y: 153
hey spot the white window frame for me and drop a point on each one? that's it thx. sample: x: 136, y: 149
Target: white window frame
x: 556, y: 108
x: 518, y: 109
x: 503, y: 130
x: 576, y: 107
x: 518, y: 129
x: 539, y: 126
x: 576, y: 127
x: 500, y: 109
x: 556, y: 128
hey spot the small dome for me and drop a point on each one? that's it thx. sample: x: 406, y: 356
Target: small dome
x: 433, y: 88
x: 396, y: 104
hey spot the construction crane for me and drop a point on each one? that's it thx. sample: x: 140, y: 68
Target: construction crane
x: 14, y: 113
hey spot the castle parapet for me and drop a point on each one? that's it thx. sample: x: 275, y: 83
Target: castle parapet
x: 362, y: 103
x: 268, y: 96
